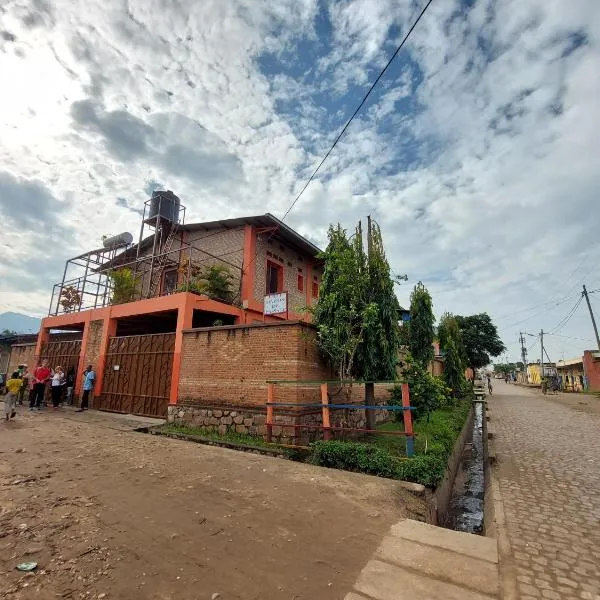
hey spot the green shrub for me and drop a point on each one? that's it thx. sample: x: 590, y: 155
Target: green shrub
x: 428, y: 469
x: 353, y: 456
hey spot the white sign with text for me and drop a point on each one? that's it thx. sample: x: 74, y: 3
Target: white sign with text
x: 275, y: 303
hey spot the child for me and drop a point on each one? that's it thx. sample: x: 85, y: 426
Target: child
x: 13, y: 386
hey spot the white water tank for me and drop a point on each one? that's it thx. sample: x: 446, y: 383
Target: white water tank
x: 116, y: 241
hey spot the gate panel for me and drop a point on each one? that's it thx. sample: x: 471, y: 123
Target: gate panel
x: 137, y: 375
x: 66, y: 354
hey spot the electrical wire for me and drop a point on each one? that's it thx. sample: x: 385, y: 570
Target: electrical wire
x: 339, y: 136
x: 537, y: 313
x: 568, y: 317
x: 570, y: 337
x: 362, y: 102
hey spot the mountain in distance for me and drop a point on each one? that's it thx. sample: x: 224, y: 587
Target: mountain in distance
x: 19, y: 322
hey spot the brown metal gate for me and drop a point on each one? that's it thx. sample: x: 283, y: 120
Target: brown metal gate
x: 137, y: 375
x: 64, y: 354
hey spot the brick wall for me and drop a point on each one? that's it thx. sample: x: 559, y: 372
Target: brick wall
x: 94, y: 341
x: 591, y: 365
x: 22, y: 354
x: 228, y: 244
x: 229, y: 366
x: 291, y: 261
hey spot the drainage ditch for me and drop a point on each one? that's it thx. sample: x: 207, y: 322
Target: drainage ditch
x: 466, y: 508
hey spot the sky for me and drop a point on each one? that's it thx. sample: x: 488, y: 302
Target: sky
x: 478, y: 153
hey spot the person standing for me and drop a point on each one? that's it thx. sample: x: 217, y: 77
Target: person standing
x: 26, y: 377
x: 69, y: 384
x: 41, y: 375
x: 57, y: 386
x: 89, y: 378
x: 13, y: 385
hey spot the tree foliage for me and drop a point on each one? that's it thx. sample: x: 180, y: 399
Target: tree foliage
x: 421, y: 328
x: 214, y: 281
x: 480, y: 339
x: 124, y: 285
x: 377, y: 355
x: 70, y: 298
x: 508, y: 368
x: 341, y: 315
x: 357, y: 313
x: 452, y: 347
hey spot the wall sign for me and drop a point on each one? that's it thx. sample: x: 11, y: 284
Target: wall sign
x: 276, y: 303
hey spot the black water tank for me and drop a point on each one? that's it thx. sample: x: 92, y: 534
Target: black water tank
x: 165, y: 205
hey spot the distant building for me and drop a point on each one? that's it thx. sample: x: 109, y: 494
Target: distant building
x: 534, y: 369
x: 572, y: 375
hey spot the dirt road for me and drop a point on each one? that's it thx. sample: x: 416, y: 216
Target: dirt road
x: 110, y: 513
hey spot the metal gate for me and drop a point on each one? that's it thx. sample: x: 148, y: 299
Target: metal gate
x: 64, y: 354
x: 137, y: 375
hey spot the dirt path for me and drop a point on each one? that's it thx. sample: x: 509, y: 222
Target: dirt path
x: 104, y: 510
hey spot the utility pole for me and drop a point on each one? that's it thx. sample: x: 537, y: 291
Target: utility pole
x: 523, y: 353
x: 542, y: 362
x: 587, y: 299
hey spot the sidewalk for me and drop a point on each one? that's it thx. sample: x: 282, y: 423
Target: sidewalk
x: 417, y: 561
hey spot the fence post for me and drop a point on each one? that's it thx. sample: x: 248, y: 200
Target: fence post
x: 325, y: 408
x: 270, y: 395
x: 407, y: 417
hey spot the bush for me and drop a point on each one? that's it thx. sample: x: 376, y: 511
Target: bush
x: 428, y: 469
x: 353, y: 456
x: 427, y: 393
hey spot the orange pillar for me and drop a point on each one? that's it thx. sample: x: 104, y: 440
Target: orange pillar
x: 325, y: 408
x: 43, y: 337
x: 109, y: 329
x: 185, y: 313
x: 249, y: 264
x: 270, y: 396
x: 408, y: 427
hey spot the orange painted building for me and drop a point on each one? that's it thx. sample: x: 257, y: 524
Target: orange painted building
x: 135, y: 346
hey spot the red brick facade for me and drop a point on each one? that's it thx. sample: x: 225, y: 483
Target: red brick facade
x: 591, y: 367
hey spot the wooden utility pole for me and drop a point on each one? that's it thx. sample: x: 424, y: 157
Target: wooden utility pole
x: 370, y: 387
x: 587, y: 299
x: 542, y: 362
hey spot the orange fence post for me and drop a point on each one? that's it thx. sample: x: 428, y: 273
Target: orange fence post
x: 270, y: 395
x: 407, y: 417
x: 325, y: 408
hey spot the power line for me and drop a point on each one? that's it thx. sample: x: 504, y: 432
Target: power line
x: 566, y: 299
x: 568, y: 317
x: 570, y: 337
x: 362, y: 102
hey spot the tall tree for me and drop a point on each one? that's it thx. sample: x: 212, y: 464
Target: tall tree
x: 357, y: 313
x: 480, y: 338
x: 377, y: 355
x: 340, y: 315
x: 453, y: 349
x: 421, y: 328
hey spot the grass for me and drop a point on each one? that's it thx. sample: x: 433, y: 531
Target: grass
x: 437, y: 435
x: 231, y: 436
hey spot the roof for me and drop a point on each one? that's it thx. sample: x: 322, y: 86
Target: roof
x: 569, y: 362
x: 268, y: 221
x: 18, y: 338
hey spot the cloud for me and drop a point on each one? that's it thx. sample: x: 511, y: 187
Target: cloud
x: 476, y: 152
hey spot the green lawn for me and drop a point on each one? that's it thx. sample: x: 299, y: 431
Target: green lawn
x: 434, y: 436
x: 238, y: 438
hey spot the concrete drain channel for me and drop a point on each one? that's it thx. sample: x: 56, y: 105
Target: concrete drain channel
x: 466, y: 508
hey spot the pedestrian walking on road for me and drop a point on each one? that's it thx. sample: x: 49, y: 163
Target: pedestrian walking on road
x: 41, y: 376
x: 58, y: 379
x: 89, y: 378
x: 13, y: 385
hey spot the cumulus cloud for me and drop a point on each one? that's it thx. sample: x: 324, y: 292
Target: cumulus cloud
x: 476, y: 153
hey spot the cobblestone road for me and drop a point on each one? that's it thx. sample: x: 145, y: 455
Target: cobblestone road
x: 549, y: 473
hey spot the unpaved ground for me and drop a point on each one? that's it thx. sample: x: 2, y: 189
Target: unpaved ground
x: 105, y: 510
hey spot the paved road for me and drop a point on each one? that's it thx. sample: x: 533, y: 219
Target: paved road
x: 549, y: 474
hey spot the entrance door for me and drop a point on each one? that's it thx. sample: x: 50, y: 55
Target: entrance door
x: 137, y: 375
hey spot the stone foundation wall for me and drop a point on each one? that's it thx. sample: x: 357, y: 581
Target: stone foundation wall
x: 253, y: 422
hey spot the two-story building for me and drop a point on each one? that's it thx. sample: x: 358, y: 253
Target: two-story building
x: 129, y: 306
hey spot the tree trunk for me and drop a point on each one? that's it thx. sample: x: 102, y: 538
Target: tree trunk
x: 370, y: 401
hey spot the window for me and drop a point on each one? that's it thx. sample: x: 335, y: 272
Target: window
x: 169, y: 281
x: 274, y: 278
x: 300, y: 282
x: 315, y: 289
